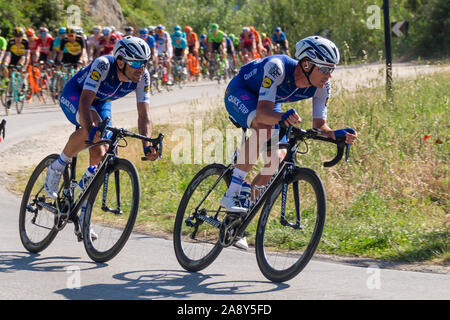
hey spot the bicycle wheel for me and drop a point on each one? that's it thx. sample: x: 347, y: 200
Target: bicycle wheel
x: 21, y: 89
x: 36, y: 220
x: 282, y: 250
x: 111, y: 211
x: 197, y: 224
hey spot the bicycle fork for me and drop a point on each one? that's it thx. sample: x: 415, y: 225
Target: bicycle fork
x: 105, y: 193
x: 283, y: 221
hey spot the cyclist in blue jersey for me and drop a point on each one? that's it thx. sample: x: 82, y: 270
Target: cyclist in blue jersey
x: 144, y: 34
x: 179, y: 46
x: 253, y: 100
x: 280, y: 41
x: 86, y: 101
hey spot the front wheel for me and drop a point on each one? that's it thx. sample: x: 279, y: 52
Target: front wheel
x: 111, y: 210
x: 285, y: 246
x: 199, y: 217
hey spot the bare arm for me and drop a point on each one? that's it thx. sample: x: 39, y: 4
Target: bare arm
x: 86, y: 99
x: 266, y: 115
x: 145, y: 127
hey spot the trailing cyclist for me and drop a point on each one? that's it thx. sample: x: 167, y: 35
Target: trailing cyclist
x: 180, y: 53
x: 17, y: 54
x: 247, y: 45
x: 231, y: 54
x: 144, y: 35
x: 86, y: 101
x: 280, y: 41
x: 44, y: 45
x: 267, y: 44
x: 106, y: 42
x: 57, y: 43
x: 217, y: 45
x: 72, y: 49
x: 253, y: 100
x: 164, y: 47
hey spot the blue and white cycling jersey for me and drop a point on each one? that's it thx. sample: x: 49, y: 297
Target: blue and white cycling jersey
x: 151, y: 41
x: 101, y: 77
x: 271, y: 79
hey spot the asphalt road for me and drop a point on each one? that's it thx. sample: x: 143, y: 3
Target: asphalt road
x: 147, y: 268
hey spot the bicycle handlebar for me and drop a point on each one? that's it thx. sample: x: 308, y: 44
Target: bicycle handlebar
x: 301, y: 134
x: 120, y: 132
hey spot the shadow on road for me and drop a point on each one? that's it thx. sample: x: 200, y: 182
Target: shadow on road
x: 169, y: 284
x: 12, y: 261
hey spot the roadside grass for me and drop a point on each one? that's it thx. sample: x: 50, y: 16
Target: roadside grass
x: 390, y: 201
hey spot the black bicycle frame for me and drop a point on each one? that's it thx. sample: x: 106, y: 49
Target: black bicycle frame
x: 285, y: 171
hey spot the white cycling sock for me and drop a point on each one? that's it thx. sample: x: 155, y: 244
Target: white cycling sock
x: 237, y: 179
x: 61, y: 163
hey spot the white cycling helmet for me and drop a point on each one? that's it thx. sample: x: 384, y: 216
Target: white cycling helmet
x: 132, y: 48
x: 318, y: 49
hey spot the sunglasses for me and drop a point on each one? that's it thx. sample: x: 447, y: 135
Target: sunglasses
x: 136, y: 64
x: 323, y: 69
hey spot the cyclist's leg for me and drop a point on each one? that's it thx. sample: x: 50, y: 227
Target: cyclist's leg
x: 272, y: 159
x: 100, y: 112
x: 241, y: 106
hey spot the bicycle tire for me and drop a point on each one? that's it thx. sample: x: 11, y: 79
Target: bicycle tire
x: 184, y: 244
x: 287, y: 241
x: 100, y: 250
x: 46, y: 222
x: 21, y: 93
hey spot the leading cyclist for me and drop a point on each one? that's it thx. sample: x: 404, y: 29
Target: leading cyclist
x: 253, y: 100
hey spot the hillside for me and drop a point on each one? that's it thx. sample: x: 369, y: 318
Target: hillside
x: 355, y: 26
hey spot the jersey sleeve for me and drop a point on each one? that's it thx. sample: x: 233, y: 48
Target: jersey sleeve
x: 320, y: 100
x: 98, y: 72
x: 143, y: 88
x: 273, y: 76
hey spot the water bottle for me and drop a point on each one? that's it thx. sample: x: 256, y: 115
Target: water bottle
x: 87, y: 176
x: 245, y: 195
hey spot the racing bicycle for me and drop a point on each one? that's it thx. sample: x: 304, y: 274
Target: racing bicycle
x: 290, y: 224
x: 112, y: 195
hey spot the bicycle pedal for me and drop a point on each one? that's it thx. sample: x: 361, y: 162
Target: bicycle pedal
x: 79, y: 236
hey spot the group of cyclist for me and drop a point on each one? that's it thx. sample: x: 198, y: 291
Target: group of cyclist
x: 72, y: 46
x: 253, y: 97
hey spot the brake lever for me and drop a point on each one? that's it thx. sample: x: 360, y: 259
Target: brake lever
x: 159, y: 147
x: 347, y: 152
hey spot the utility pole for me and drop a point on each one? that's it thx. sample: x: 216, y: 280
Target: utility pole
x: 387, y: 42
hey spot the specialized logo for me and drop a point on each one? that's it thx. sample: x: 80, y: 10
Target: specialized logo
x: 95, y: 75
x: 267, y: 82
